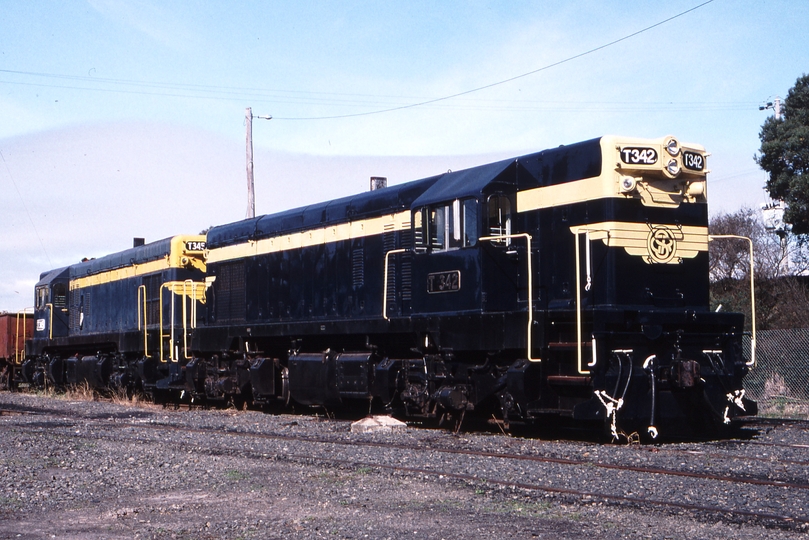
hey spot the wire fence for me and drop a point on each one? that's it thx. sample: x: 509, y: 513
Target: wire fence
x: 780, y: 379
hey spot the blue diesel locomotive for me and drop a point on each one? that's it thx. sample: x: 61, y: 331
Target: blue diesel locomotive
x: 569, y: 284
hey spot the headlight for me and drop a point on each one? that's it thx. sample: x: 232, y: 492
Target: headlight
x: 673, y: 167
x: 672, y: 147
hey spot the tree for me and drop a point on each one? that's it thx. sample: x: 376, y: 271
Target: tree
x: 784, y: 154
x: 782, y: 300
x: 730, y: 258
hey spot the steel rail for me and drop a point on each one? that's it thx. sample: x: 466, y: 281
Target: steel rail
x: 507, y: 456
x: 546, y: 459
x: 473, y: 453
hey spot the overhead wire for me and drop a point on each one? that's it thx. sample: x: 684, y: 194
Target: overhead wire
x: 25, y: 207
x: 746, y: 172
x: 386, y: 102
x: 510, y: 79
x: 468, y: 104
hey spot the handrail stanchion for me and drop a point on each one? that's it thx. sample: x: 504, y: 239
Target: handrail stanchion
x: 19, y: 353
x: 588, y: 285
x: 50, y: 320
x: 142, y: 294
x: 712, y: 237
x: 385, y: 282
x: 162, y: 335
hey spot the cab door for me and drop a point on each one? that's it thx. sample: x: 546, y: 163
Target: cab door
x: 446, y: 259
x: 504, y: 283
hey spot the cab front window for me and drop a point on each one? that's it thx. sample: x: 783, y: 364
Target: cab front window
x: 42, y: 297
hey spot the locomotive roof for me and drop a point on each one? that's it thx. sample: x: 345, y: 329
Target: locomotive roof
x: 46, y: 278
x: 136, y: 255
x: 559, y: 165
x: 548, y: 166
x: 370, y: 203
x: 465, y: 183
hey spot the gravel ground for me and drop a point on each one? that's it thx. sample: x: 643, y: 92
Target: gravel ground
x: 90, y: 469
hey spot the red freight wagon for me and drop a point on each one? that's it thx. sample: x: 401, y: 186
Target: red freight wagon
x: 15, y: 328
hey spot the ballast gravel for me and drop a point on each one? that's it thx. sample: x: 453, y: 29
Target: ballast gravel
x: 98, y: 469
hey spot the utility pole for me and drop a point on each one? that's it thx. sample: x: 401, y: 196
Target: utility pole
x: 773, y: 212
x: 775, y: 105
x: 251, y: 196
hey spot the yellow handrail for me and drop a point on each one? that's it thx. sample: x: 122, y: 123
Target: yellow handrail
x: 712, y: 237
x: 185, y: 328
x: 19, y: 353
x: 588, y: 269
x: 385, y: 282
x: 50, y: 320
x: 163, y: 336
x: 196, y: 295
x: 530, y: 285
x: 193, y: 284
x: 145, y: 323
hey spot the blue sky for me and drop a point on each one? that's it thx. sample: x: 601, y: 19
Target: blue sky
x: 123, y: 118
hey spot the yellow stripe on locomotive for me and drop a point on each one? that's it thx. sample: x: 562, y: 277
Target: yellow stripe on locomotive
x: 187, y: 251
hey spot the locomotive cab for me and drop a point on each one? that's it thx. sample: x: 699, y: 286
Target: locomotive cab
x: 474, y: 269
x: 464, y: 252
x: 51, y: 312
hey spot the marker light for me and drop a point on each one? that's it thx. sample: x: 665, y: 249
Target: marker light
x: 628, y: 184
x: 672, y: 147
x: 673, y: 167
x: 696, y: 189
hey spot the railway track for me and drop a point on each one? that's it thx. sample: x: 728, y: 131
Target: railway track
x: 443, y: 462
x: 517, y: 457
x: 478, y: 479
x: 530, y: 458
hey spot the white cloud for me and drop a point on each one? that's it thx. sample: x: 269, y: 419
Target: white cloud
x: 19, y: 119
x: 90, y: 189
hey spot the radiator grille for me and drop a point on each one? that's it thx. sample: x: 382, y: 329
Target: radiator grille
x: 230, y: 293
x: 407, y: 266
x: 358, y: 268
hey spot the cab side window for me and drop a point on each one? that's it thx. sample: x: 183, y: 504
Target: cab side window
x: 446, y: 226
x: 470, y: 222
x: 437, y: 227
x: 499, y: 218
x: 59, y: 296
x: 420, y: 230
